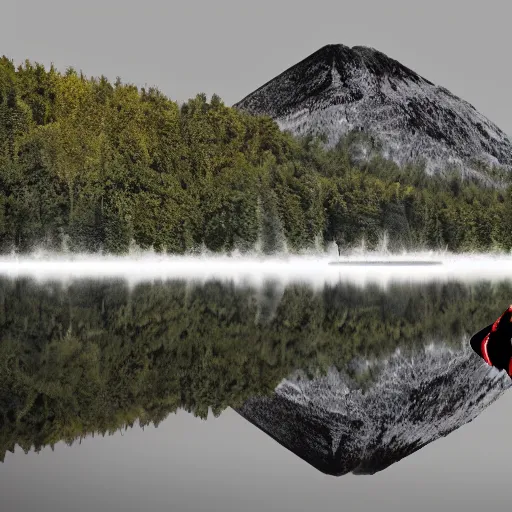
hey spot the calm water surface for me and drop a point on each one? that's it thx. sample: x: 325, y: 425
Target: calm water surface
x: 181, y: 394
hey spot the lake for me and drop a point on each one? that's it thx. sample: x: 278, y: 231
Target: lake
x: 234, y: 384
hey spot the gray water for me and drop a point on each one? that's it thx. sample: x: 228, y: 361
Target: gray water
x: 226, y: 464
x: 89, y: 365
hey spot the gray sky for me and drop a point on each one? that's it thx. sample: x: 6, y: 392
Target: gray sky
x: 232, y: 46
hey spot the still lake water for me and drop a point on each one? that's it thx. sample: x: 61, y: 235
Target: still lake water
x: 234, y: 385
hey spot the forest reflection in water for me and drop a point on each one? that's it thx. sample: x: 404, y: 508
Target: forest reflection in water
x: 350, y: 378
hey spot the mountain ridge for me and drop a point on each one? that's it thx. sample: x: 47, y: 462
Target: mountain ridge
x: 338, y: 89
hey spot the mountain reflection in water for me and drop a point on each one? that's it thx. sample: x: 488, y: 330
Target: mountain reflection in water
x: 338, y: 428
x: 349, y: 378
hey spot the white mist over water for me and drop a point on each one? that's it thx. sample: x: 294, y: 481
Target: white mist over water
x: 312, y: 269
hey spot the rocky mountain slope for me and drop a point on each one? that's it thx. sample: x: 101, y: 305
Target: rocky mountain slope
x: 339, y: 426
x: 339, y: 89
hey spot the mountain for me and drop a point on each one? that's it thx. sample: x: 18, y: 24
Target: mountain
x: 339, y: 426
x: 339, y: 89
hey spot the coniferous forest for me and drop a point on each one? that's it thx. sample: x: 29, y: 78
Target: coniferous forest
x: 92, y: 166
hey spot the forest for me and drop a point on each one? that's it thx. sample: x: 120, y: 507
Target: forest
x: 87, y: 165
x: 92, y: 357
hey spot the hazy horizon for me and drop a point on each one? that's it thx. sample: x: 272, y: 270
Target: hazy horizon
x: 231, y: 49
x: 314, y: 269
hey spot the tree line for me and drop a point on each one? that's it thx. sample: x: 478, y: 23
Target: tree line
x: 89, y: 165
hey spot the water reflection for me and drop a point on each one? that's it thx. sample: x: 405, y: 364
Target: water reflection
x: 330, y: 422
x: 317, y: 369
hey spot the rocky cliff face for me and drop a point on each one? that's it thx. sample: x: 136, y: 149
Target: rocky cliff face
x: 339, y: 426
x: 339, y: 89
